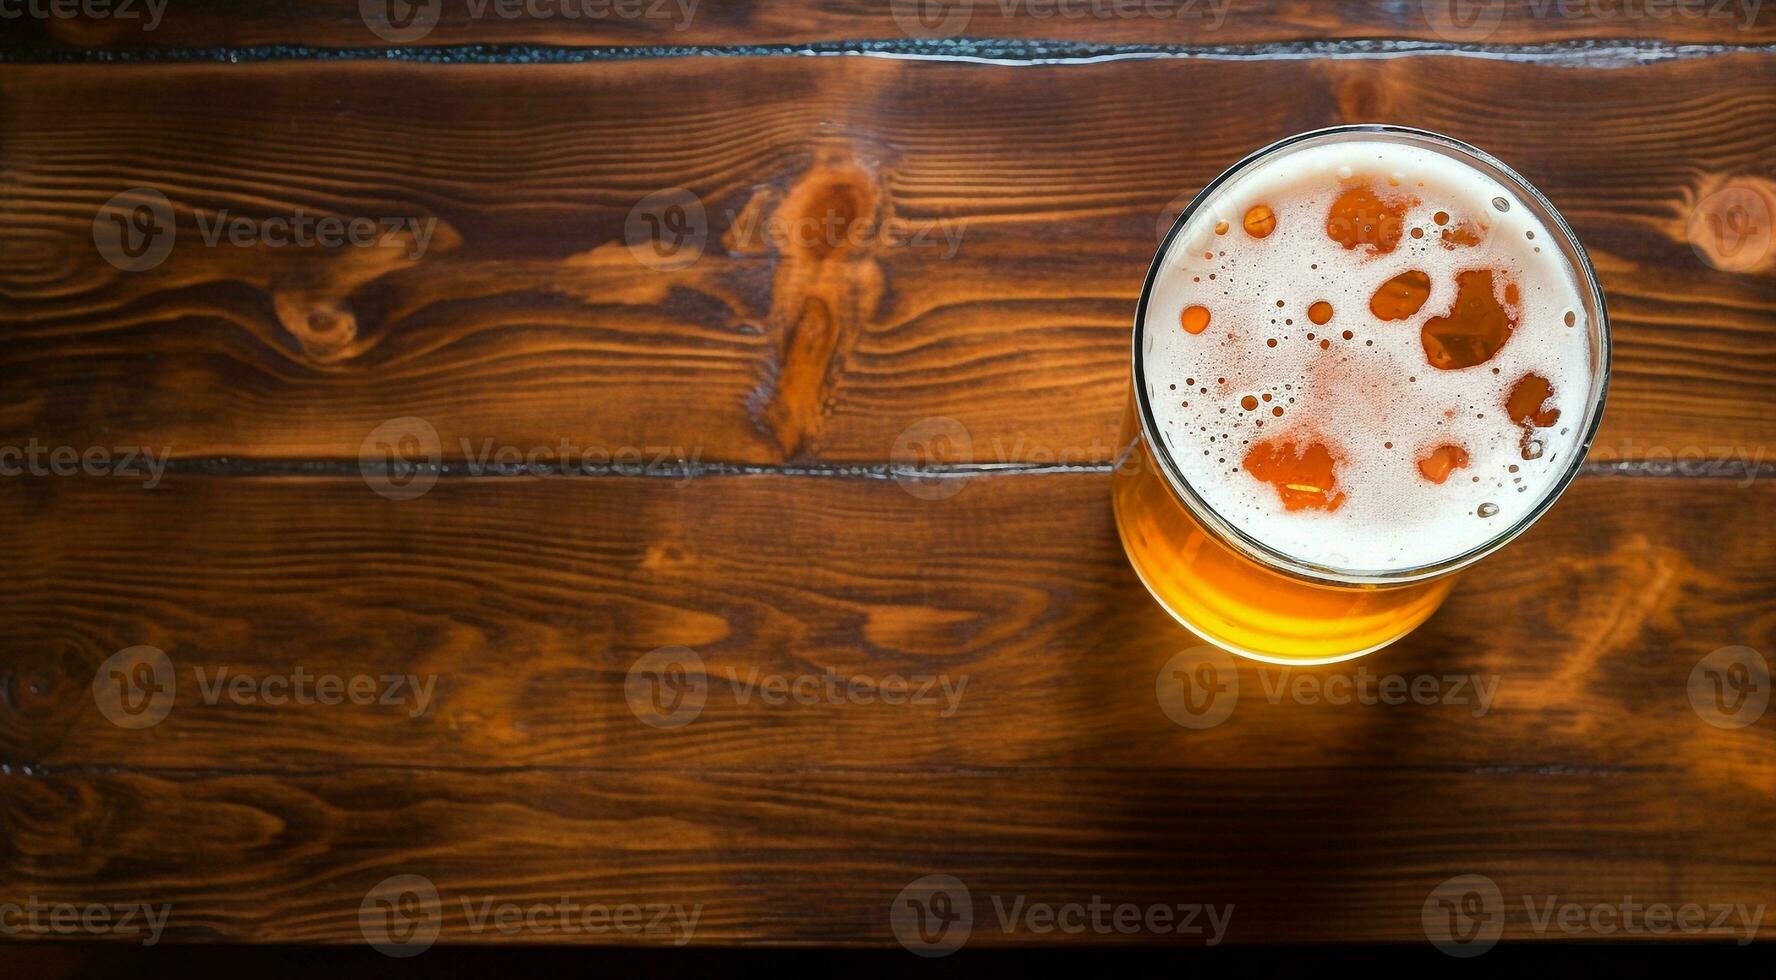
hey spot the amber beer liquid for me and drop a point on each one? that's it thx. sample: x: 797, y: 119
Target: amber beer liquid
x: 1364, y: 359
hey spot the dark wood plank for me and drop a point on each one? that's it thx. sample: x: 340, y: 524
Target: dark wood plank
x: 757, y: 22
x: 527, y: 320
x: 76, y: 961
x: 793, y: 856
x: 527, y: 607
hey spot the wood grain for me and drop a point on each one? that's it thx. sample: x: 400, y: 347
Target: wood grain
x: 526, y: 320
x: 1557, y: 749
x: 1008, y: 608
x: 763, y: 22
x: 796, y: 856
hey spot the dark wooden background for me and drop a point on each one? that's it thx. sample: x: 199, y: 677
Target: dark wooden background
x: 1056, y: 146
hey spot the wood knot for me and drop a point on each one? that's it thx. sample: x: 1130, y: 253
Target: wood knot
x: 324, y: 329
x: 827, y: 232
x: 311, y: 292
x: 832, y: 211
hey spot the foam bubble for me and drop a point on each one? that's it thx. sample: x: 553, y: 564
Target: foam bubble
x: 1357, y: 387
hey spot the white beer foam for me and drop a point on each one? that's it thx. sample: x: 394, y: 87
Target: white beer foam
x: 1377, y: 387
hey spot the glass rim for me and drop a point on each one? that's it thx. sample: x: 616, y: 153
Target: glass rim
x: 1271, y: 558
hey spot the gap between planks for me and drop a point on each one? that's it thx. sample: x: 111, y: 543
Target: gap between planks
x: 993, y: 51
x: 1740, y: 470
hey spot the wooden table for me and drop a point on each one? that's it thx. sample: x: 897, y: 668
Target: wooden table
x: 900, y: 238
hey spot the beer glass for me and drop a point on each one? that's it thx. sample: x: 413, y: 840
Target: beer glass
x: 1246, y: 594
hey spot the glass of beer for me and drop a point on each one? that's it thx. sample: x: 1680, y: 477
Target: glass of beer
x: 1364, y: 358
